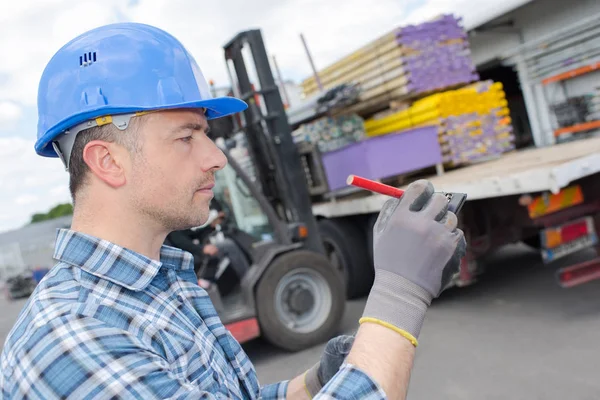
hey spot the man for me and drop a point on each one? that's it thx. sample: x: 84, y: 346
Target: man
x: 125, y: 106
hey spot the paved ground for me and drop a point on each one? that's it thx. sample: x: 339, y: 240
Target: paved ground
x: 514, y: 335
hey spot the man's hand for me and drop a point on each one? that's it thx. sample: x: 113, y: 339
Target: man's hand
x: 210, y: 249
x: 307, y: 385
x: 417, y: 248
x: 333, y: 357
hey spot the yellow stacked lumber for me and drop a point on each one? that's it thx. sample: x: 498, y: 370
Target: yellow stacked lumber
x: 393, y: 123
x: 473, y: 121
x: 434, y: 108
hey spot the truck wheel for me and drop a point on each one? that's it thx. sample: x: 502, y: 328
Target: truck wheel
x: 300, y: 301
x: 370, y: 225
x: 534, y: 242
x: 347, y: 249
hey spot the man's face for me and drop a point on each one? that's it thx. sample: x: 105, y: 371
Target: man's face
x: 171, y: 178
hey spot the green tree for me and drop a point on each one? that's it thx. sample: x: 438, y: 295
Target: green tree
x: 57, y: 211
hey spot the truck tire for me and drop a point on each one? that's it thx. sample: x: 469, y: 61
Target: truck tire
x: 534, y: 242
x: 347, y: 246
x: 370, y: 225
x: 300, y: 301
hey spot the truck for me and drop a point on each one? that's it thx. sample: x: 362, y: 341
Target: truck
x: 547, y: 197
x: 537, y: 195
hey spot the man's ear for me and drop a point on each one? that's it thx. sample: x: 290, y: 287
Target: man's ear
x: 106, y: 162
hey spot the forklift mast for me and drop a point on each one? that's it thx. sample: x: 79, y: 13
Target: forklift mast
x: 278, y: 165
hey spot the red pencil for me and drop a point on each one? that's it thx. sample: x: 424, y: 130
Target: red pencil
x: 374, y: 186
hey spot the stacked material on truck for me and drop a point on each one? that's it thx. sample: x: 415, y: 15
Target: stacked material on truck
x: 437, y: 55
x: 594, y: 106
x: 338, y: 97
x: 383, y: 157
x: 572, y: 111
x: 331, y: 133
x: 473, y: 122
x: 472, y: 137
x: 405, y: 63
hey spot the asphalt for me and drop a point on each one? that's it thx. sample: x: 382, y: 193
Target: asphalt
x: 514, y: 334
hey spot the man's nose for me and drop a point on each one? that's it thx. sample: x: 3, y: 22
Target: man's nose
x: 213, y: 158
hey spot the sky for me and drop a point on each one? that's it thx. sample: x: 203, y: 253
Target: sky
x: 31, y: 31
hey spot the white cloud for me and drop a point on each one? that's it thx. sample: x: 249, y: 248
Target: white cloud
x: 39, y: 29
x: 10, y: 114
x: 60, y: 192
x: 331, y: 28
x: 28, y: 182
x: 33, y: 30
x: 26, y: 199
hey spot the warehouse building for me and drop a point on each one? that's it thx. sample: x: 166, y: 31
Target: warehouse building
x: 547, y: 55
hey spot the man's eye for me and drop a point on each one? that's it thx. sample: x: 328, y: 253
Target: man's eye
x: 187, y: 138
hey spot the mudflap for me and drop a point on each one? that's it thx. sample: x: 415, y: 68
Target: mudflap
x: 467, y: 271
x: 245, y: 330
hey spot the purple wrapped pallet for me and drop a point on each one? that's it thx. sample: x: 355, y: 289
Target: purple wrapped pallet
x: 383, y: 156
x: 437, y: 55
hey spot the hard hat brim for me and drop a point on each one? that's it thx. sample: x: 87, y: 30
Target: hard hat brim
x: 215, y: 108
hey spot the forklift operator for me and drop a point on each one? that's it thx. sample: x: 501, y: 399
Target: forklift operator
x: 193, y: 240
x: 125, y: 107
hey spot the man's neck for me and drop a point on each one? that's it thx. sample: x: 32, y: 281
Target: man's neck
x: 119, y: 228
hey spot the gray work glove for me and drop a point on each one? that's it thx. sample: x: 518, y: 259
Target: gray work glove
x: 331, y: 360
x: 417, y: 248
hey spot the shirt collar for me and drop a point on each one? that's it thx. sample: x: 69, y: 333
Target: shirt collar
x: 109, y: 261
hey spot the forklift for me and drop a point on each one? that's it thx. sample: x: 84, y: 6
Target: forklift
x: 291, y: 295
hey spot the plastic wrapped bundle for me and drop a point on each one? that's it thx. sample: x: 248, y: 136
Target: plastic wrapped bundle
x: 594, y: 106
x: 437, y: 55
x: 331, y: 133
x: 472, y: 122
x: 481, y: 97
x: 472, y: 137
x: 403, y: 64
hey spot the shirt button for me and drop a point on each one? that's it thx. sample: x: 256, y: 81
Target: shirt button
x: 180, y: 298
x: 215, y: 376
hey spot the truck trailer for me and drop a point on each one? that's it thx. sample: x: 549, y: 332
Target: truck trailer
x: 281, y: 191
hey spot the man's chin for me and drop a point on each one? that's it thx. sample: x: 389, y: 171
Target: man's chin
x: 186, y: 223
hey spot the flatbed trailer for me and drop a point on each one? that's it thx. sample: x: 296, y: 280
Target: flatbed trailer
x: 539, y: 196
x: 547, y: 197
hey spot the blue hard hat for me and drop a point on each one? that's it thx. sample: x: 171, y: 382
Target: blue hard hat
x: 121, y: 68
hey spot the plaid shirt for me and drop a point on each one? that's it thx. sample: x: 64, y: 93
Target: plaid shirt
x: 106, y: 322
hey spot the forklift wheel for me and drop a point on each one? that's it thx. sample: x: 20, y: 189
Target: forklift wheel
x: 300, y: 301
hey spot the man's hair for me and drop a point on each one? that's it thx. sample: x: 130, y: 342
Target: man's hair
x: 78, y: 169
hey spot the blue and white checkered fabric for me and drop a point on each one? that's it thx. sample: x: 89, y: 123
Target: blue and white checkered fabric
x: 109, y: 323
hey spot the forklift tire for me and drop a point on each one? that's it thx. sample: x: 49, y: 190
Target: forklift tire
x: 300, y: 301
x: 351, y: 249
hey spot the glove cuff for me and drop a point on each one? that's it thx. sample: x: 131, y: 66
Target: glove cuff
x: 398, y: 304
x: 312, y: 383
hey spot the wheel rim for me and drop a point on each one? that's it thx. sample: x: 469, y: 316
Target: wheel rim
x: 303, y: 300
